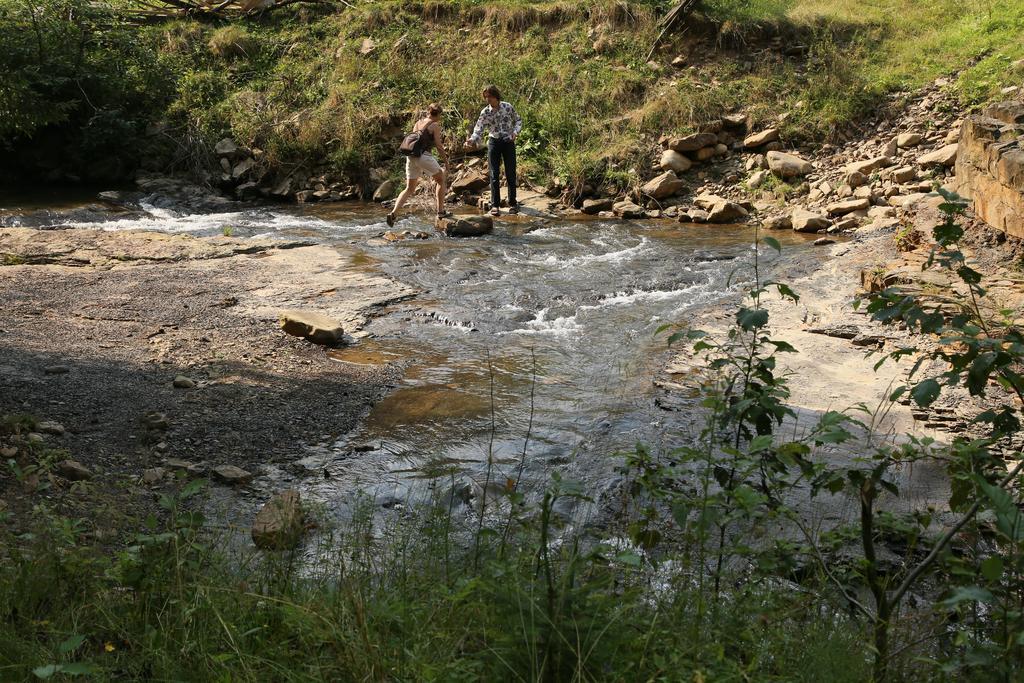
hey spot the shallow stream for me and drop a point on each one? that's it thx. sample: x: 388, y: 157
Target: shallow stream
x: 539, y: 338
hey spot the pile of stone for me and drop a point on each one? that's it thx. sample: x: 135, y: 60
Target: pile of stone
x: 244, y: 176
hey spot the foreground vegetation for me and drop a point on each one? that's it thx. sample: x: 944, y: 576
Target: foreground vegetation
x: 711, y: 569
x: 92, y: 94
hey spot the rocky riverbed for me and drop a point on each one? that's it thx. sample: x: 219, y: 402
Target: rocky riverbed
x: 158, y: 353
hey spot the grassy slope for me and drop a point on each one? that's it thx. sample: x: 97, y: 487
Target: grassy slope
x: 299, y: 88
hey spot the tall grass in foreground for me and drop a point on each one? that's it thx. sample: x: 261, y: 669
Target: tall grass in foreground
x: 396, y: 605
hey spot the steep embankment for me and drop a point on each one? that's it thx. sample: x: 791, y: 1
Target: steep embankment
x: 318, y: 91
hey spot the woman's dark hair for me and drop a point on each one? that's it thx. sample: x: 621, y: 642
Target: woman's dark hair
x: 434, y: 109
x: 493, y: 91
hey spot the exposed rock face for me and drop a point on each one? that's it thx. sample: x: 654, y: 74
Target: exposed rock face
x: 278, y: 524
x: 313, y: 327
x: 663, y: 186
x: 990, y: 166
x: 469, y: 226
x: 788, y: 165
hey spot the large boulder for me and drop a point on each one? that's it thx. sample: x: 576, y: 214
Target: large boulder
x: 465, y: 226
x: 808, y: 221
x: 672, y: 160
x: 788, y: 165
x: 944, y: 157
x: 313, y: 327
x: 278, y: 524
x: 690, y: 143
x: 990, y: 166
x: 663, y: 186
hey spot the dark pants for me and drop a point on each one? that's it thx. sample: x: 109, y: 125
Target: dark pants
x: 497, y: 151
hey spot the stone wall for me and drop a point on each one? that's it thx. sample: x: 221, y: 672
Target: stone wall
x: 990, y: 165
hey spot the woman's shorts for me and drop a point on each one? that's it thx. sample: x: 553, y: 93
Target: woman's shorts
x: 423, y: 165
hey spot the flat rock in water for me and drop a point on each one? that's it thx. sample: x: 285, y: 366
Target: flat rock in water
x: 234, y: 476
x: 313, y: 327
x: 469, y: 226
x: 278, y: 524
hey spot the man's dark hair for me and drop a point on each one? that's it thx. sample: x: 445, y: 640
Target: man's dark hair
x: 493, y: 91
x: 434, y: 109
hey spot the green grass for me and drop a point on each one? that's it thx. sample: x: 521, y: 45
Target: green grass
x: 401, y: 604
x: 307, y: 94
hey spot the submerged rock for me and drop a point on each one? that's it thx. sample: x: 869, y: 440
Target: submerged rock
x: 469, y: 226
x: 278, y: 524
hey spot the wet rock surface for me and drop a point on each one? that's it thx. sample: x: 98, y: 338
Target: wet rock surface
x: 92, y: 345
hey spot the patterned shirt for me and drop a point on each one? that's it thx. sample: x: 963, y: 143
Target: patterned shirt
x: 503, y: 123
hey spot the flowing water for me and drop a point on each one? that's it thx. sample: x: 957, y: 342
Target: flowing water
x: 539, y: 338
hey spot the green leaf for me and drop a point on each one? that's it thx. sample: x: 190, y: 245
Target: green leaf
x: 71, y: 644
x: 981, y: 369
x: 967, y: 594
x: 992, y: 568
x: 629, y: 558
x: 773, y: 243
x: 925, y: 393
x: 752, y: 318
x: 78, y: 669
x: 44, y: 672
x: 1009, y: 519
x: 192, y: 488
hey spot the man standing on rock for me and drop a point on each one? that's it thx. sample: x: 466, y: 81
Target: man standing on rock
x: 504, y: 124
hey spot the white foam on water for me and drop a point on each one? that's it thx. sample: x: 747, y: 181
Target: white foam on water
x: 562, y: 326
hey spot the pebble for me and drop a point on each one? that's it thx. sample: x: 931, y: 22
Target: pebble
x: 56, y: 370
x: 183, y: 382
